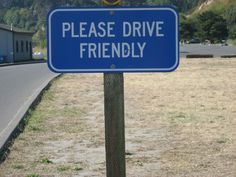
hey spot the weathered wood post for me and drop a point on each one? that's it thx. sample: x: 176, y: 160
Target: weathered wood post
x: 114, y: 118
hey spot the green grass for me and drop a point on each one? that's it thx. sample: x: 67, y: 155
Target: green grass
x: 34, y: 128
x: 35, y: 118
x: 232, y: 42
x: 63, y: 168
x: 78, y: 168
x: 182, y: 117
x: 18, y: 166
x: 46, y: 161
x: 219, y: 7
x: 222, y: 140
x: 33, y: 175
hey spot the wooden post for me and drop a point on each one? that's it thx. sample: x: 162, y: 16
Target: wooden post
x: 114, y: 118
x: 114, y: 124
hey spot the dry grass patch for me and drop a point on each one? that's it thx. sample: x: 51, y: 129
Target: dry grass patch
x: 177, y: 124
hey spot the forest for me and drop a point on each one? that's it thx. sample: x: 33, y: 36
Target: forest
x: 31, y: 15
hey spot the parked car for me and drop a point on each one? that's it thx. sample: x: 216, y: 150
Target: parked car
x: 224, y: 43
x: 38, y: 55
x: 194, y: 41
x: 207, y: 42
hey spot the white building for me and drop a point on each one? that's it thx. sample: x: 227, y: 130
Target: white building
x: 15, y: 44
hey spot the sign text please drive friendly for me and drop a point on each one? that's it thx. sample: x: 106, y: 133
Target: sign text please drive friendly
x: 113, y: 40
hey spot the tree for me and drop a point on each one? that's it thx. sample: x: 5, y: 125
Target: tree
x: 212, y: 26
x: 12, y: 16
x: 187, y: 28
x: 230, y: 16
x: 2, y: 14
x: 181, y: 5
x: 232, y: 32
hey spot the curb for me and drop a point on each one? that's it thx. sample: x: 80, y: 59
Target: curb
x: 228, y: 56
x: 23, y: 63
x: 19, y: 122
x: 200, y: 56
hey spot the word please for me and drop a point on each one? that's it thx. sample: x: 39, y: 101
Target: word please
x: 107, y: 29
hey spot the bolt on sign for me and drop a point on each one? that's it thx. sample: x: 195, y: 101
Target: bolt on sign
x: 113, y: 39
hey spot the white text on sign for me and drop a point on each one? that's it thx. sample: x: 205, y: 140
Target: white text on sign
x: 107, y: 30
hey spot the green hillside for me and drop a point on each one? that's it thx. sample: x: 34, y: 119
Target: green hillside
x: 31, y: 14
x: 219, y: 6
x: 225, y: 8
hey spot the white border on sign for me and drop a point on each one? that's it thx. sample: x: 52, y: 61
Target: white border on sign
x: 114, y: 70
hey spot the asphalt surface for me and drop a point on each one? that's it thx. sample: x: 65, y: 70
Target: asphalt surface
x: 19, y: 86
x: 201, y: 49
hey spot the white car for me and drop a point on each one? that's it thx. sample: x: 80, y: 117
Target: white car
x: 38, y: 55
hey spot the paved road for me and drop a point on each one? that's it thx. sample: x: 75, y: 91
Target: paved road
x: 19, y: 85
x: 215, y: 50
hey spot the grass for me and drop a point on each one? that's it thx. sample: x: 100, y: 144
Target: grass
x: 63, y: 168
x: 177, y: 124
x: 18, y: 166
x: 78, y: 168
x: 183, y: 117
x: 46, y: 161
x: 219, y: 6
x: 232, y: 42
x: 222, y: 140
x: 33, y: 175
x: 37, y: 123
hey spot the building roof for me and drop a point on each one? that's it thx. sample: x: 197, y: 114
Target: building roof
x: 14, y: 29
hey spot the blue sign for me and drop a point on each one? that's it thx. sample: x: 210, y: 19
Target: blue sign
x: 123, y: 39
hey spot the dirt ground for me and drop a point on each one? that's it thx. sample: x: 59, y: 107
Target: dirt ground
x: 180, y: 124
